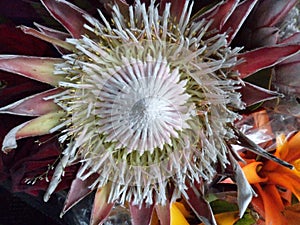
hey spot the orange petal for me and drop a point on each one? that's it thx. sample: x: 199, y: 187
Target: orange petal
x: 294, y: 147
x: 251, y: 171
x: 292, y: 213
x: 289, y: 179
x: 294, y: 142
x: 282, y: 151
x: 272, y: 204
x: 282, y: 147
x: 257, y: 203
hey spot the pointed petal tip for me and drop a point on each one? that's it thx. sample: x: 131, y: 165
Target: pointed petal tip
x: 245, y: 142
x: 78, y: 191
x: 36, y: 68
x: 261, y: 58
x: 34, y: 105
x: 31, y: 128
x: 141, y: 215
x: 55, y: 38
x: 68, y: 15
x: 101, y: 208
x: 252, y: 94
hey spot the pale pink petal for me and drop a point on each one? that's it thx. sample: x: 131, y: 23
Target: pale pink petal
x: 36, y: 68
x: 69, y: 15
x: 101, y: 208
x: 261, y: 58
x: 34, y: 105
x: 79, y: 189
x: 45, y: 37
x: 36, y: 127
x: 55, y: 34
x: 237, y: 18
x: 163, y: 214
x: 252, y: 94
x: 141, y: 215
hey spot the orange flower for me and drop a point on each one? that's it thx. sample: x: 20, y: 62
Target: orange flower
x: 267, y: 176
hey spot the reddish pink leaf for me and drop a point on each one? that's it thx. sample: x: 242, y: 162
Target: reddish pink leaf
x: 36, y: 68
x: 269, y: 12
x: 287, y: 77
x: 163, y: 214
x: 199, y: 205
x: 265, y: 36
x: 14, y: 41
x: 79, y: 189
x: 237, y: 18
x: 176, y: 7
x: 34, y: 105
x: 122, y: 4
x: 295, y: 59
x: 293, y: 39
x: 264, y: 57
x: 252, y: 94
x: 101, y: 208
x: 69, y: 15
x: 141, y: 215
x: 219, y: 14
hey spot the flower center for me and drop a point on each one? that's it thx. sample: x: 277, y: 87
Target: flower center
x: 142, y: 106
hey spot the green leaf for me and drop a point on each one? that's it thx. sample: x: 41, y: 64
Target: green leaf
x: 247, y: 219
x: 220, y: 206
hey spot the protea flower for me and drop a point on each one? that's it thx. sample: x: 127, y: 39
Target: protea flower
x: 144, y: 98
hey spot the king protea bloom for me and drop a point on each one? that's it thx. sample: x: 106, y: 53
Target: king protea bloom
x: 145, y: 100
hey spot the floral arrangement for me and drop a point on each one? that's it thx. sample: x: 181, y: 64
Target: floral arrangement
x: 181, y: 112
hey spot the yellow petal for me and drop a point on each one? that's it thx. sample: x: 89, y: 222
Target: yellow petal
x: 227, y: 218
x: 177, y: 216
x: 294, y: 147
x: 282, y: 147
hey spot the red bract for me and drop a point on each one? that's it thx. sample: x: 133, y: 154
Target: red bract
x: 31, y: 160
x: 33, y: 165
